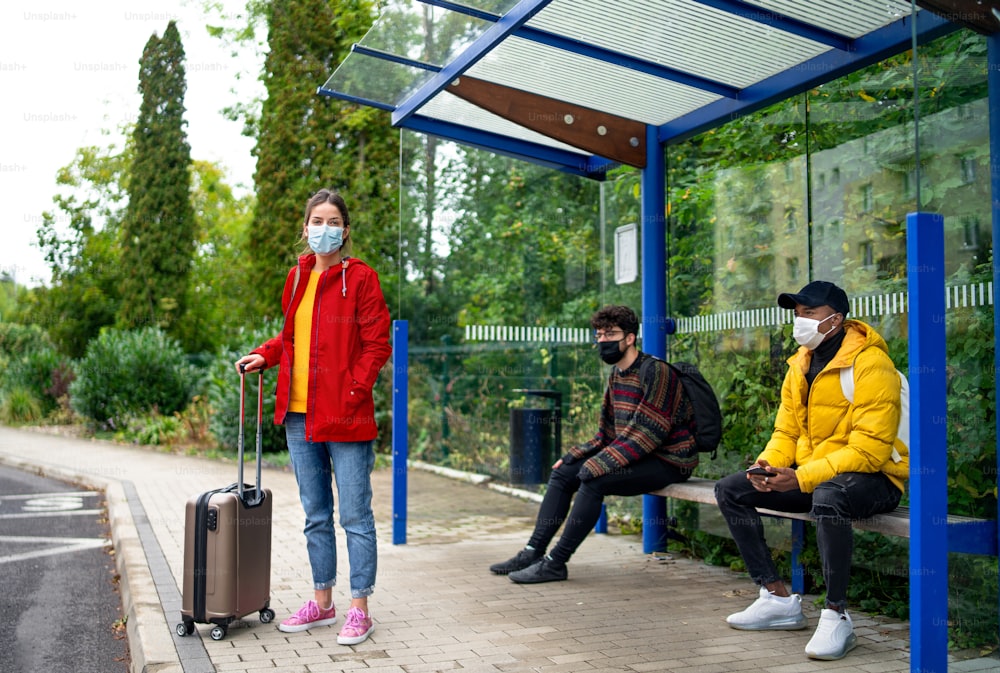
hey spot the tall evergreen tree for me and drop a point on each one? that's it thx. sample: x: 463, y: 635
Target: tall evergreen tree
x: 306, y: 142
x: 159, y: 227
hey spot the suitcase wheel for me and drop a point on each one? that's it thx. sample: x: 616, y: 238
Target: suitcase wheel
x: 266, y: 616
x: 185, y: 628
x: 218, y: 632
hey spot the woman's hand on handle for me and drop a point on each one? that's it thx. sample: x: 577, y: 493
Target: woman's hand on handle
x: 251, y: 362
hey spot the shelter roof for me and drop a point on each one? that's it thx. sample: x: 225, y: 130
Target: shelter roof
x: 581, y: 85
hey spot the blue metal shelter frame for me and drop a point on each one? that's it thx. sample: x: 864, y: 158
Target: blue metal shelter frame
x: 930, y: 541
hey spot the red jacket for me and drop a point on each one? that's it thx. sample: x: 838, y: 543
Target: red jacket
x: 349, y: 345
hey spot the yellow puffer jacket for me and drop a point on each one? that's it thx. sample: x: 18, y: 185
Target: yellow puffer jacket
x: 822, y: 434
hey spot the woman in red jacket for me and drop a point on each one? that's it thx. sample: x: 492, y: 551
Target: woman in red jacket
x: 334, y: 342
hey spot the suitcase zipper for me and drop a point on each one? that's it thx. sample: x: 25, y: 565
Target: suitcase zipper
x: 201, y: 554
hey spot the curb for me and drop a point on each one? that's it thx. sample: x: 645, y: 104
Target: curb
x: 151, y: 647
x: 477, y: 479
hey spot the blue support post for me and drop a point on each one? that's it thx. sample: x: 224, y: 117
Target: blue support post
x: 928, y: 445
x: 400, y: 422
x: 654, y: 306
x: 601, y: 527
x: 993, y: 82
x: 798, y: 545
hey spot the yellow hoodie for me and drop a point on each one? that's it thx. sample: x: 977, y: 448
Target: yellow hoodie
x: 821, y: 434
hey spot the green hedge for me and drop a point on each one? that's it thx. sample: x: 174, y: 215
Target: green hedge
x: 131, y: 373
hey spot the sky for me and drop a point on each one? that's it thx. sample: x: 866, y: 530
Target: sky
x: 69, y: 71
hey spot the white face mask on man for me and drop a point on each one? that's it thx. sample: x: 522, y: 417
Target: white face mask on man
x: 806, y: 331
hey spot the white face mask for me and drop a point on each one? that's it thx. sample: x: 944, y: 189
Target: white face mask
x: 324, y: 239
x: 806, y: 331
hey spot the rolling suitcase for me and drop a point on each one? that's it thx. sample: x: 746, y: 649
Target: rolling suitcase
x: 227, y: 547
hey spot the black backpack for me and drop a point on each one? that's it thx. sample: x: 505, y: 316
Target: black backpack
x: 707, y: 414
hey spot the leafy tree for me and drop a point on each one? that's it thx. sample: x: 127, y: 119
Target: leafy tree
x: 80, y: 242
x: 219, y: 286
x: 306, y: 142
x: 529, y: 242
x: 11, y: 295
x: 158, y: 232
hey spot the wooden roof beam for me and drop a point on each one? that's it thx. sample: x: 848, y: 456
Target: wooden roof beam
x: 606, y: 135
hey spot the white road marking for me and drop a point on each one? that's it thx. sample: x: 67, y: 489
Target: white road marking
x: 63, y: 545
x: 32, y: 515
x: 62, y: 503
x: 29, y: 496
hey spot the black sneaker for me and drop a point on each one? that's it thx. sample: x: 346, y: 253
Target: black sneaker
x: 524, y: 558
x: 542, y: 570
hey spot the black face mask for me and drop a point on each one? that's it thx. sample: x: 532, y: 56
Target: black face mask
x: 609, y: 351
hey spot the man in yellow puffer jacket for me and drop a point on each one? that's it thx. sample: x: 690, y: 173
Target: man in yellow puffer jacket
x: 839, y: 461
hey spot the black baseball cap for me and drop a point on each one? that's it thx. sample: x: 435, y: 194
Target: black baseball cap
x: 817, y: 293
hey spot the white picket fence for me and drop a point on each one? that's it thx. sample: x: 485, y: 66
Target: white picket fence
x: 863, y: 307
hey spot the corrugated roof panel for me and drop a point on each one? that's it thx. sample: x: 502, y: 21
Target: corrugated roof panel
x: 852, y: 19
x: 684, y: 35
x: 546, y: 71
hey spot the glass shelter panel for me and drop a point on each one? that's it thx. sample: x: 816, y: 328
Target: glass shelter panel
x: 818, y: 187
x: 503, y: 262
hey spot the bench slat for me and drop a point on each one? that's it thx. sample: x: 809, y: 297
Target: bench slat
x: 702, y: 491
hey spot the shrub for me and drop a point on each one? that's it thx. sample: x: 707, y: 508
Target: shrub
x: 17, y: 339
x: 129, y: 373
x: 223, y: 390
x: 43, y: 372
x: 19, y: 405
x: 185, y: 431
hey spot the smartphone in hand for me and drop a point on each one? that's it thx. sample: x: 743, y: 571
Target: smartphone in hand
x: 760, y: 471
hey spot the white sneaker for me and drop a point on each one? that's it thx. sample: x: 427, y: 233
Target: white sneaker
x: 834, y: 636
x: 770, y: 612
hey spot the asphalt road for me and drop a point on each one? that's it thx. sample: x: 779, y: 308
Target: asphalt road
x: 57, y: 579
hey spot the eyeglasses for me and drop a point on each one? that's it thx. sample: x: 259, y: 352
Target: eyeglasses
x: 613, y: 334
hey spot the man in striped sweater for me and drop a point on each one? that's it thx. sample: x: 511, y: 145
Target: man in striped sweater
x: 644, y: 441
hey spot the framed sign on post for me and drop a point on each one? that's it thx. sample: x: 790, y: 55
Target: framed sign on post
x: 626, y: 254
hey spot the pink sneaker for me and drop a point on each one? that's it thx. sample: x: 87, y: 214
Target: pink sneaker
x: 308, y: 616
x: 357, y: 628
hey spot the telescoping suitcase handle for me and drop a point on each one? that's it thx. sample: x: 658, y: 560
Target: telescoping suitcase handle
x: 258, y: 491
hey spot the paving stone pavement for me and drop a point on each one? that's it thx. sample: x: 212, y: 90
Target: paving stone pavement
x: 436, y: 606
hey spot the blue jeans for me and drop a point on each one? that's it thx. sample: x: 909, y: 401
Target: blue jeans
x: 316, y: 464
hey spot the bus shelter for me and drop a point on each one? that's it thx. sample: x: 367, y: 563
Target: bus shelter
x: 583, y: 86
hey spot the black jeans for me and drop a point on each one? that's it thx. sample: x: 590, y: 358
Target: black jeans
x: 834, y: 504
x: 649, y: 474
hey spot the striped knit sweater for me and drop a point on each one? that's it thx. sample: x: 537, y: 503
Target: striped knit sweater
x: 637, y: 423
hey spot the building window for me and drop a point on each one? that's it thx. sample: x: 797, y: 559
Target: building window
x: 792, y: 267
x: 867, y: 250
x: 789, y: 172
x: 835, y: 176
x: 821, y: 180
x: 791, y: 220
x: 910, y: 184
x: 967, y: 169
x: 867, y: 198
x: 970, y: 232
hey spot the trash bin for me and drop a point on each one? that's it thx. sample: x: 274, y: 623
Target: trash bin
x: 535, y: 438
